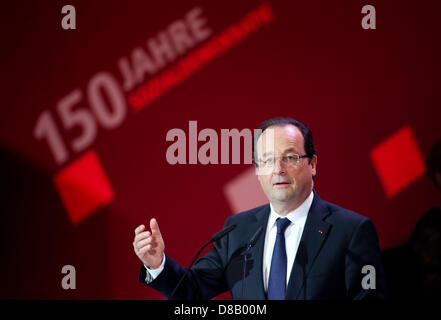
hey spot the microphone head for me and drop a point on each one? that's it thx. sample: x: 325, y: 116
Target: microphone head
x: 256, y: 237
x: 223, y: 232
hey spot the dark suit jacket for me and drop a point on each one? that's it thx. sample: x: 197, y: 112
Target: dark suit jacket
x: 336, y: 243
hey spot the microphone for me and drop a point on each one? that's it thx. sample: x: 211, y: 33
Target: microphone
x: 251, y: 244
x: 223, y: 232
x: 214, y: 238
x: 255, y: 238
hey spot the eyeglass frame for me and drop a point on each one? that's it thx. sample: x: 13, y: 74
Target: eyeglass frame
x: 284, y: 160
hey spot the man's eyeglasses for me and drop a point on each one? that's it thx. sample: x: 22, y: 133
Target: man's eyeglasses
x: 291, y: 159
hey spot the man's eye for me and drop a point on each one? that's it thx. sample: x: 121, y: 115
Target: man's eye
x: 290, y: 158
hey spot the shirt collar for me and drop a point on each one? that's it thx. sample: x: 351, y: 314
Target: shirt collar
x: 300, y: 213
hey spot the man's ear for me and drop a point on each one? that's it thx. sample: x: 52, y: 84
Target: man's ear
x: 313, y: 163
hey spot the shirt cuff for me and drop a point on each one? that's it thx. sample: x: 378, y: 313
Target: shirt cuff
x: 152, y: 274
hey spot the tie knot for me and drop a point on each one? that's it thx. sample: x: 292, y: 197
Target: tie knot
x: 282, y: 224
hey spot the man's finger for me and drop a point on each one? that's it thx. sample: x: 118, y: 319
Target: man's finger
x: 139, y: 229
x: 154, y: 227
x: 142, y: 235
x: 143, y: 250
x: 142, y: 243
x: 149, y: 241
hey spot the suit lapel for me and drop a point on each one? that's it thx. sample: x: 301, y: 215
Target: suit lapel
x: 313, y: 236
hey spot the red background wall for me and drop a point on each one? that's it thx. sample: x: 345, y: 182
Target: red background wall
x: 355, y: 88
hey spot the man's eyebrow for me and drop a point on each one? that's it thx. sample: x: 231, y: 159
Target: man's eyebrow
x: 285, y: 151
x: 291, y: 150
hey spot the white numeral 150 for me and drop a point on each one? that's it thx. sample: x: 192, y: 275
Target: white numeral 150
x: 109, y: 114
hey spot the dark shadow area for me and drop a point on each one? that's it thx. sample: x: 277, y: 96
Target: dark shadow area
x: 413, y: 270
x: 37, y: 239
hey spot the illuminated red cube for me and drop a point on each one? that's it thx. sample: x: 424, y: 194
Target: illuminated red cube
x: 83, y: 187
x: 398, y: 161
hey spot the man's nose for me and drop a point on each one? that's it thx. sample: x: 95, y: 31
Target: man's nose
x: 279, y: 166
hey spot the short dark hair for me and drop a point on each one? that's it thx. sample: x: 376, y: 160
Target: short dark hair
x: 304, y: 129
x: 433, y: 163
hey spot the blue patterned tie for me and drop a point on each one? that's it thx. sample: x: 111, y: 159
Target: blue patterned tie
x: 277, y: 278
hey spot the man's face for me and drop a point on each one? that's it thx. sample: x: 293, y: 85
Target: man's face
x: 284, y: 183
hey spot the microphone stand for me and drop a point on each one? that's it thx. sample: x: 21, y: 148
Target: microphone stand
x: 191, y: 264
x: 252, y: 243
x: 244, y: 269
x: 216, y: 237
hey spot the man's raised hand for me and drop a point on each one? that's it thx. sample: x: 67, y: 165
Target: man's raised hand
x: 149, y: 245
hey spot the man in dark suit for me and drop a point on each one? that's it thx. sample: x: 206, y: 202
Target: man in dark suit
x: 309, y: 248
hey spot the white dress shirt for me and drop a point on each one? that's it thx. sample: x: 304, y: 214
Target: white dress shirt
x: 152, y: 274
x: 293, y: 234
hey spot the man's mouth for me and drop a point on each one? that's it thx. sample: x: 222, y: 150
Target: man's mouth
x: 281, y: 183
